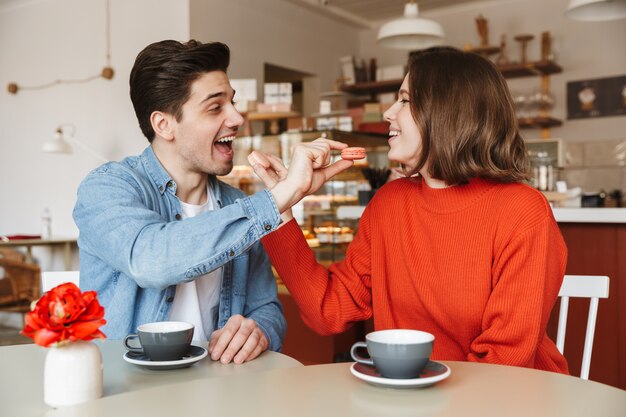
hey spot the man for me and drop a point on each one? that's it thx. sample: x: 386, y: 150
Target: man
x: 160, y: 237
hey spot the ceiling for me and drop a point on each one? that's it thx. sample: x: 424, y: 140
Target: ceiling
x: 369, y: 13
x: 360, y: 13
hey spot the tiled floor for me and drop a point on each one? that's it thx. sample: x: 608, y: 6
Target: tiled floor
x: 11, y: 336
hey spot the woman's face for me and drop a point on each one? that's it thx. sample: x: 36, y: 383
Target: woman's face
x: 405, y: 140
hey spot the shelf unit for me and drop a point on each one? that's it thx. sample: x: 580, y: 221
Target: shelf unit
x: 272, y: 117
x: 373, y: 87
x: 541, y: 69
x: 529, y: 69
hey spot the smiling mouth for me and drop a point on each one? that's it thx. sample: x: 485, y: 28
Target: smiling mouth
x: 393, y: 134
x: 226, y: 139
x: 225, y: 145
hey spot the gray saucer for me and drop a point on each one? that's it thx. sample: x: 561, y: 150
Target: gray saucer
x: 195, y: 354
x: 432, y: 373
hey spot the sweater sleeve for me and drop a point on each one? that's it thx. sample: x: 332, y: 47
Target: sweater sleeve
x: 329, y: 300
x: 527, y: 276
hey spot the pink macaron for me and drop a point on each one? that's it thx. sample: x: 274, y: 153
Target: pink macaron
x: 353, y: 153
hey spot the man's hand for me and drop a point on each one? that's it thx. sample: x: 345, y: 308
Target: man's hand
x: 269, y: 168
x: 240, y: 340
x: 310, y: 168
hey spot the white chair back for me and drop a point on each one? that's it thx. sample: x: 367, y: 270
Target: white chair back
x: 51, y: 279
x: 582, y: 286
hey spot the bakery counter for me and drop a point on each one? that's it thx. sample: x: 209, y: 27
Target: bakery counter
x: 562, y: 215
x: 596, y: 244
x: 590, y: 215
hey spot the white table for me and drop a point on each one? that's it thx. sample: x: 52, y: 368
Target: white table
x: 66, y: 243
x: 330, y: 390
x: 21, y: 377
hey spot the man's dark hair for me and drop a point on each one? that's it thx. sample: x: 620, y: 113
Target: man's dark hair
x: 163, y: 72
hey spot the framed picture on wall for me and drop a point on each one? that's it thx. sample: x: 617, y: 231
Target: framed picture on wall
x: 600, y: 97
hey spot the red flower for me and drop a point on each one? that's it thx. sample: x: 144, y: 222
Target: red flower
x: 64, y: 315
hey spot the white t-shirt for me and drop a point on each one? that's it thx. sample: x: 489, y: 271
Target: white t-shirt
x: 198, y: 301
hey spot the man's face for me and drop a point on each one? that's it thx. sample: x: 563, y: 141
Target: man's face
x: 203, y: 137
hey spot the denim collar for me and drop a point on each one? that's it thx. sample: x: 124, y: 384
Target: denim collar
x: 163, y: 180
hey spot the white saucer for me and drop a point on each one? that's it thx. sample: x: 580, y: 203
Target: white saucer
x: 432, y: 373
x: 195, y: 354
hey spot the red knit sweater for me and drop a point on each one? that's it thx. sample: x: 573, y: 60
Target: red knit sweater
x: 477, y: 265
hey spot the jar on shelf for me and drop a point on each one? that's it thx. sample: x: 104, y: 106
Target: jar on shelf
x: 543, y: 171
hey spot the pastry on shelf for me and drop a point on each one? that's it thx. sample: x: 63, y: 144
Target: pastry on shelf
x: 334, y: 234
x: 325, y: 201
x: 311, y: 240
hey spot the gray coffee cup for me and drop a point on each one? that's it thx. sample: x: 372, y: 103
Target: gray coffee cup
x: 162, y: 341
x: 397, y: 353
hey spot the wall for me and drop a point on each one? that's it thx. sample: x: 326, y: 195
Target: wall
x: 41, y: 41
x: 44, y: 40
x: 275, y: 32
x: 584, y: 50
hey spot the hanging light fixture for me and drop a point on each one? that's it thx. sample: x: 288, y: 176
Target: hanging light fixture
x: 410, y: 31
x: 596, y: 10
x: 60, y: 143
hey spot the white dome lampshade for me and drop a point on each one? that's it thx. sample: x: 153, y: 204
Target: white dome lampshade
x: 57, y: 144
x: 62, y: 142
x: 410, y: 31
x: 596, y: 10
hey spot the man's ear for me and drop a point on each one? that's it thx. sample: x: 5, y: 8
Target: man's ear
x: 162, y: 124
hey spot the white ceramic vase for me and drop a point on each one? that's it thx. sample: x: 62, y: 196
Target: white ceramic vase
x: 72, y: 374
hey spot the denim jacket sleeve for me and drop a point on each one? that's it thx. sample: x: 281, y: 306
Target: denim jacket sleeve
x: 262, y: 305
x: 124, y: 220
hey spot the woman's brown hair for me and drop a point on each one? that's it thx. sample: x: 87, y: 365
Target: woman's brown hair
x: 464, y: 112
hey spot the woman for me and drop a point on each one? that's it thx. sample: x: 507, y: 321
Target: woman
x: 464, y: 250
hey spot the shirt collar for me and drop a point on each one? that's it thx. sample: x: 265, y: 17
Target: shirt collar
x: 163, y: 180
x: 155, y: 170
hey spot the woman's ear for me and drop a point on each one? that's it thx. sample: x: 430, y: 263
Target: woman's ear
x: 162, y: 124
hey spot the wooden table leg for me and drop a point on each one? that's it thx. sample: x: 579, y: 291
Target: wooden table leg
x: 68, y: 256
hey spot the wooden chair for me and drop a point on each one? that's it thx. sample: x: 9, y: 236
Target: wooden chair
x: 19, y: 282
x: 583, y: 286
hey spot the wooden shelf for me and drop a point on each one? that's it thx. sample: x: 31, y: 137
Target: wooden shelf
x: 485, y: 50
x: 357, y: 138
x: 333, y: 113
x: 272, y: 117
x: 254, y: 116
x: 539, y: 122
x: 530, y: 69
x: 374, y: 87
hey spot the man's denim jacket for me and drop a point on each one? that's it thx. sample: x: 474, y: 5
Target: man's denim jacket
x: 134, y: 247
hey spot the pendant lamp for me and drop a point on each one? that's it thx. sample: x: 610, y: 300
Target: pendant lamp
x: 410, y: 31
x: 596, y: 10
x: 61, y: 143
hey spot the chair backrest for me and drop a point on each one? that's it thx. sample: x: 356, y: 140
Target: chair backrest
x: 582, y: 286
x: 50, y: 279
x: 19, y: 284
